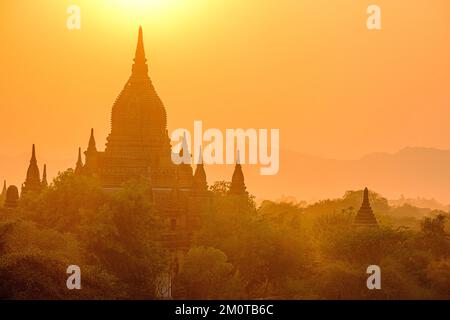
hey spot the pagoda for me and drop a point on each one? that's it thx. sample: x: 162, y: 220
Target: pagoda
x: 365, y: 216
x: 199, y: 183
x: 237, y: 187
x: 79, y: 164
x: 138, y: 147
x: 44, y: 182
x: 138, y: 144
x: 12, y: 197
x: 33, y: 180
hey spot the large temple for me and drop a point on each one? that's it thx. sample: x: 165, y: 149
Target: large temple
x: 139, y: 144
x: 139, y: 147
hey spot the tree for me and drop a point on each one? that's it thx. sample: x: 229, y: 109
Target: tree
x: 123, y: 236
x: 206, y: 274
x: 75, y: 222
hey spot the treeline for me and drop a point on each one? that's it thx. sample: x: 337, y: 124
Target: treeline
x: 274, y: 250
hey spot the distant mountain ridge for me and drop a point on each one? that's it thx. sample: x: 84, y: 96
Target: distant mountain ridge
x: 411, y: 172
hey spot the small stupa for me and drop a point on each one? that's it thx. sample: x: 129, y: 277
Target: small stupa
x: 365, y: 216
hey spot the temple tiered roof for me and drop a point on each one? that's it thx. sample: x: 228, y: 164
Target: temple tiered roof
x: 138, y: 144
x: 138, y: 114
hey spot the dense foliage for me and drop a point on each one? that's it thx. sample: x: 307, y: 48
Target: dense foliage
x: 274, y: 250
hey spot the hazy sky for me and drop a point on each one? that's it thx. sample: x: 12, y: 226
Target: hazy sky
x: 309, y: 67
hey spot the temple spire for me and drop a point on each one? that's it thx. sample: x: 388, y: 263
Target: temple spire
x: 200, y: 183
x: 3, y: 194
x: 79, y: 165
x: 140, y: 51
x: 366, y: 202
x: 237, y: 181
x: 92, y: 146
x: 140, y: 67
x: 365, y: 216
x: 44, y: 181
x: 90, y: 166
x: 33, y: 180
x: 33, y: 154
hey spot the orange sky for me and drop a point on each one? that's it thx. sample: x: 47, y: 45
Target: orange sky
x: 308, y: 67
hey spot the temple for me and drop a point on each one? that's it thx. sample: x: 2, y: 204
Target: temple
x: 79, y: 164
x: 237, y: 186
x: 33, y: 180
x: 44, y: 182
x: 138, y: 147
x: 365, y: 216
x: 12, y: 197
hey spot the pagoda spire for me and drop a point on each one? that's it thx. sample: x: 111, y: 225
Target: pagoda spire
x: 237, y: 181
x: 90, y: 166
x: 79, y: 165
x: 365, y: 216
x: 33, y: 180
x: 4, y: 188
x: 92, y: 146
x: 3, y: 194
x: 44, y: 181
x: 366, y: 202
x: 33, y: 154
x: 140, y: 67
x: 199, y: 182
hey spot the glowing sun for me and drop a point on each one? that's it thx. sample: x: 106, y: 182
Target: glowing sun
x: 144, y: 4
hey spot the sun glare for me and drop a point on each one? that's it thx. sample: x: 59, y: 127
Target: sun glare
x: 154, y: 14
x: 154, y: 11
x: 144, y: 4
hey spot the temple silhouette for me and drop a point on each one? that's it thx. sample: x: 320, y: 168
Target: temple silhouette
x: 365, y: 216
x: 138, y: 147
